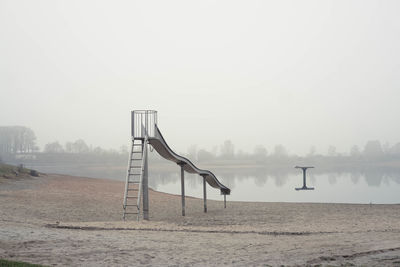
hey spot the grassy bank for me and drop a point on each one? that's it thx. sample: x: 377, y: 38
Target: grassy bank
x: 10, y: 171
x: 7, y: 263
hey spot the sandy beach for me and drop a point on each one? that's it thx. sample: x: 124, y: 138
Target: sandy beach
x: 61, y: 220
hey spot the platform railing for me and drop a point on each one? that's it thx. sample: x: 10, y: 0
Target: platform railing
x: 143, y: 123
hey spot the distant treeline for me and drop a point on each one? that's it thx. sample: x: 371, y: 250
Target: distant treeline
x: 373, y: 151
x: 80, y: 147
x: 17, y: 143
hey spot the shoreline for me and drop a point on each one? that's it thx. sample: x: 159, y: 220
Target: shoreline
x: 64, y: 220
x: 5, y: 181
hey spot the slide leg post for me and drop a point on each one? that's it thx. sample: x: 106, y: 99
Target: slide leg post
x: 205, y: 193
x: 183, y: 188
x: 145, y: 187
x: 224, y: 201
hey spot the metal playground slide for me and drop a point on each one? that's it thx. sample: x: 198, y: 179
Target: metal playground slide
x: 146, y: 132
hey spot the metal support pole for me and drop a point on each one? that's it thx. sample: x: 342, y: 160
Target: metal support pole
x: 145, y: 185
x: 304, y: 177
x: 224, y: 201
x: 183, y: 187
x: 205, y: 193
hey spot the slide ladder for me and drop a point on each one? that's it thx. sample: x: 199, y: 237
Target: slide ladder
x: 134, y: 178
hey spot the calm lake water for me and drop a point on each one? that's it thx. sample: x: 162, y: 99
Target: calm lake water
x: 329, y: 188
x: 378, y: 186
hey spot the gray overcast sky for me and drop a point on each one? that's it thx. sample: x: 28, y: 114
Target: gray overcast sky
x: 297, y: 73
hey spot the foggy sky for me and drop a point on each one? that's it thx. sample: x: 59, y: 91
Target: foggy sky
x: 297, y: 73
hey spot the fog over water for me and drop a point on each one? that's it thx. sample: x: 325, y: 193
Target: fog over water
x: 297, y: 73
x: 377, y: 185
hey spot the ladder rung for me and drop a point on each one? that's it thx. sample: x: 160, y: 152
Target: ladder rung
x: 131, y: 197
x: 130, y: 205
x: 133, y: 189
x: 133, y: 182
x: 134, y: 174
x: 137, y: 144
x: 137, y: 159
x: 131, y: 213
x: 137, y: 152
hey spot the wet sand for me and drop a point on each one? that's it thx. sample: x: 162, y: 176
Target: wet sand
x: 70, y: 221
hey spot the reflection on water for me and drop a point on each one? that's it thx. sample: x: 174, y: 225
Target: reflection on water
x: 375, y: 186
x: 362, y: 185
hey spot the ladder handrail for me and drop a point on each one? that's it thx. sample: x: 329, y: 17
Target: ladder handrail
x: 128, y: 173
x: 144, y: 155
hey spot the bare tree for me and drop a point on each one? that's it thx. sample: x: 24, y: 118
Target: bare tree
x: 204, y: 155
x: 227, y: 150
x: 260, y: 150
x: 54, y: 147
x: 355, y: 151
x: 332, y: 151
x: 192, y: 152
x: 16, y: 139
x: 395, y: 149
x: 79, y: 146
x: 312, y: 151
x: 280, y: 152
x: 373, y: 149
